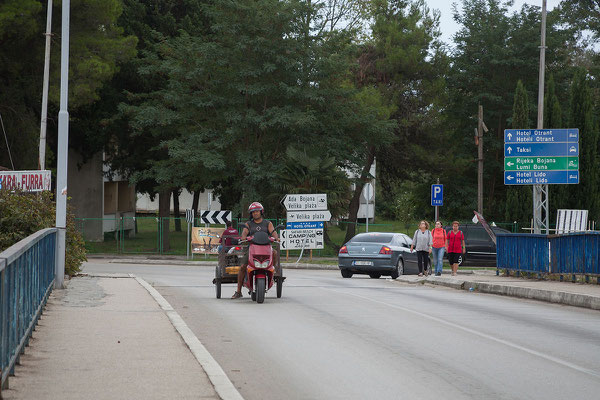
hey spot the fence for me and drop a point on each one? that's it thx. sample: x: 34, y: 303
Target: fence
x: 522, y: 252
x: 568, y: 254
x: 26, y: 280
x: 575, y: 253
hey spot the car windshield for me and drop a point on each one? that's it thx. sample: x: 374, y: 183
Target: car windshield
x: 373, y: 238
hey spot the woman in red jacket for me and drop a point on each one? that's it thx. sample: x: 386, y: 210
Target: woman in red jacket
x: 456, y: 246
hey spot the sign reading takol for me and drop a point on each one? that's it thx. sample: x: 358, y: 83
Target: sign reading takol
x: 27, y: 181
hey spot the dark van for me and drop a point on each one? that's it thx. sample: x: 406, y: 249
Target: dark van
x: 481, y: 251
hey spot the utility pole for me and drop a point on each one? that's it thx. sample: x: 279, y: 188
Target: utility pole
x: 42, y: 156
x: 540, y: 192
x: 63, y: 150
x: 479, y: 142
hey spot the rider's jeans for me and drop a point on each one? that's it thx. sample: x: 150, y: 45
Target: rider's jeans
x: 438, y: 258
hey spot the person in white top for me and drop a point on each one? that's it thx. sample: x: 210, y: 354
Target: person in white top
x: 422, y: 242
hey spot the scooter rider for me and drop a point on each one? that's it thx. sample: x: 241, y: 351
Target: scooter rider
x: 256, y: 224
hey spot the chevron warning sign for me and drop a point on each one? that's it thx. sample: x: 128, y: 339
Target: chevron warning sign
x: 215, y: 217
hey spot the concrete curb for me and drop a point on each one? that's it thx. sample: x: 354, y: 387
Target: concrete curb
x: 221, y: 382
x: 549, y: 296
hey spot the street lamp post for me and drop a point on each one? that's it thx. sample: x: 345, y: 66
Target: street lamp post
x: 63, y: 150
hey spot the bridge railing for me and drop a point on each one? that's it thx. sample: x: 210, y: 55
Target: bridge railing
x: 522, y: 252
x: 26, y: 280
x: 575, y: 253
x: 566, y: 254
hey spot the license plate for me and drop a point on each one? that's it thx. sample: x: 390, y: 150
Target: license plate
x: 232, y: 270
x: 363, y: 262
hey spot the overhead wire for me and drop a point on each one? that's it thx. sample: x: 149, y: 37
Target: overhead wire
x: 7, y: 146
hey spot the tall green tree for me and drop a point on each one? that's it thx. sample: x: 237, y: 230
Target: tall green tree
x: 519, y: 198
x: 97, y: 45
x: 493, y: 50
x: 585, y: 195
x: 406, y: 64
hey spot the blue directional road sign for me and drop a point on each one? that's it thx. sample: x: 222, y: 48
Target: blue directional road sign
x: 541, y: 149
x: 541, y: 135
x: 540, y: 177
x: 437, y: 195
x: 305, y: 225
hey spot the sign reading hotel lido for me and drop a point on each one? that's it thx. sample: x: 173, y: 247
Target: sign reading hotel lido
x: 27, y: 181
x: 541, y: 156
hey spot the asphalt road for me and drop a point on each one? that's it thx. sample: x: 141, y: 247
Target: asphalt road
x: 359, y: 338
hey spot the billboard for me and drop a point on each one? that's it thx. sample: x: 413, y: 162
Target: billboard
x: 206, y: 240
x: 27, y: 181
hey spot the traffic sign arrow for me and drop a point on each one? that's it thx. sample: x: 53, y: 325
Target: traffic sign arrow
x: 297, y: 202
x: 298, y: 216
x: 509, y: 149
x: 509, y: 136
x: 510, y: 164
x: 510, y: 177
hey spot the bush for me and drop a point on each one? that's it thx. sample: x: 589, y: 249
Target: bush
x: 22, y: 214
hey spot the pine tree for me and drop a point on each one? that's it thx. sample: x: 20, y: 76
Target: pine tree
x: 519, y: 198
x: 586, y: 195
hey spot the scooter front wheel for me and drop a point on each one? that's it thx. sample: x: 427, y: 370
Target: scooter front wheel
x: 261, y: 284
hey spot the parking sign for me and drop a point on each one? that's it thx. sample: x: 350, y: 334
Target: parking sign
x: 437, y: 195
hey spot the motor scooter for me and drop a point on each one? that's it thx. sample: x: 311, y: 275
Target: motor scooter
x: 260, y: 273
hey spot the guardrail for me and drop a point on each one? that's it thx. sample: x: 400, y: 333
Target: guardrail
x: 575, y: 253
x: 568, y: 254
x: 26, y: 280
x: 522, y: 252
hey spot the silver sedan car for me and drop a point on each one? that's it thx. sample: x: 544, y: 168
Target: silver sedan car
x: 376, y: 254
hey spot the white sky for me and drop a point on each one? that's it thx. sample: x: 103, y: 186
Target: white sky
x: 449, y: 27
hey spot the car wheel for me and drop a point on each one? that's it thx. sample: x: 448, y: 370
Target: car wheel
x: 375, y: 276
x: 399, y: 269
x: 346, y: 273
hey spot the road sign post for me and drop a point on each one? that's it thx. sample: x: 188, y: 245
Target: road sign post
x: 541, y: 157
x: 306, y: 216
x: 437, y: 197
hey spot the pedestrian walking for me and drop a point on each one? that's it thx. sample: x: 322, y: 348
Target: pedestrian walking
x: 439, y: 237
x: 422, y: 242
x: 456, y: 246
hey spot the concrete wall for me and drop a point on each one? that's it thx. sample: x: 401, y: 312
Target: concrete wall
x: 85, y: 187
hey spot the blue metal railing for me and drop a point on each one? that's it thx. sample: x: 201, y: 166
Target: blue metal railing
x: 522, y: 252
x: 26, y: 280
x: 568, y: 254
x: 575, y: 253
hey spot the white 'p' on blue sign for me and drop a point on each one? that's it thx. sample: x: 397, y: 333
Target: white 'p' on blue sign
x: 437, y: 195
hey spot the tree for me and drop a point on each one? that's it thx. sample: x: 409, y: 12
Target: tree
x: 97, y: 45
x: 494, y: 49
x: 404, y: 64
x: 585, y: 195
x: 519, y: 198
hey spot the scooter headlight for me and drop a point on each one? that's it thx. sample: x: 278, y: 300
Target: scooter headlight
x: 261, y: 264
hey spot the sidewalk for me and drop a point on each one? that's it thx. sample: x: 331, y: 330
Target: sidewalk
x: 567, y: 293
x: 107, y: 338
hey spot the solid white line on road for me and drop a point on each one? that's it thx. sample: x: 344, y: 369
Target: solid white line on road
x: 480, y: 334
x: 223, y: 386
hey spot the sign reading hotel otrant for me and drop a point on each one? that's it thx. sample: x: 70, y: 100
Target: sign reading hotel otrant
x: 27, y: 181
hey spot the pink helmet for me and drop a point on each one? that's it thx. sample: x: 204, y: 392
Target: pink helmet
x: 256, y: 206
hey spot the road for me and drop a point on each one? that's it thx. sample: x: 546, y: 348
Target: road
x: 359, y: 338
